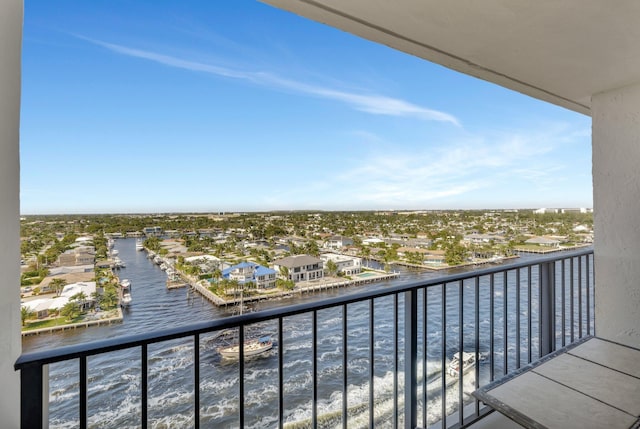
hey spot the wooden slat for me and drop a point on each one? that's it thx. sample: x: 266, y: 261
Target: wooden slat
x: 553, y: 405
x: 607, y: 385
x: 615, y: 356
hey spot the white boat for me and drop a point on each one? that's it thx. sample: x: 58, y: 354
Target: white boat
x: 118, y: 263
x: 252, y: 347
x: 468, y: 362
x: 126, y: 298
x: 139, y: 245
x: 125, y: 283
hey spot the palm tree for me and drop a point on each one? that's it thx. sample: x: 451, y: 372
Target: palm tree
x: 284, y: 272
x: 217, y: 274
x: 57, y: 285
x: 365, y: 251
x: 70, y: 311
x: 25, y: 313
x: 332, y: 268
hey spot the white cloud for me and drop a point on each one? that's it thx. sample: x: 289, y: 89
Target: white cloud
x: 370, y: 103
x: 419, y: 178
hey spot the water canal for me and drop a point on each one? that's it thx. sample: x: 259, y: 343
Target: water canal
x: 114, y: 378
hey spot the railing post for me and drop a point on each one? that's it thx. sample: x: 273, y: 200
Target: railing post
x: 410, y: 359
x: 547, y: 324
x: 34, y: 388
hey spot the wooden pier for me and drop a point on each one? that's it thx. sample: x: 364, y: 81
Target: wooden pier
x: 73, y: 326
x: 300, y: 289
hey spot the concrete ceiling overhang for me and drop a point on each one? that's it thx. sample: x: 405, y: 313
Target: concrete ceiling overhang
x: 560, y: 51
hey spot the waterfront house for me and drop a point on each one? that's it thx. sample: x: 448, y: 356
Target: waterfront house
x: 347, y: 265
x: 578, y: 54
x: 82, y: 255
x: 338, y: 242
x: 543, y: 241
x: 152, y: 231
x: 250, y: 272
x: 301, y: 267
x: 42, y: 306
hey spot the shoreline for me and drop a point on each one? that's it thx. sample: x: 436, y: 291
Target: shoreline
x: 68, y: 326
x: 305, y: 287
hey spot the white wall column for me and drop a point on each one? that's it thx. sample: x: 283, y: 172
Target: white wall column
x: 616, y: 198
x: 10, y: 343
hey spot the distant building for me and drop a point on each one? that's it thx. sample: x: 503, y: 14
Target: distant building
x: 81, y: 255
x: 348, y: 265
x: 372, y: 241
x: 42, y: 306
x: 543, y: 241
x: 483, y: 238
x: 545, y: 210
x: 435, y: 257
x: 250, y: 272
x: 301, y: 267
x: 338, y: 242
x: 152, y: 231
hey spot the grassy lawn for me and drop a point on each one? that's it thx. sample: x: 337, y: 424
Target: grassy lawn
x: 48, y: 323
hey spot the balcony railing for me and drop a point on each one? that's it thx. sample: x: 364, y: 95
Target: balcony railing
x: 392, y: 344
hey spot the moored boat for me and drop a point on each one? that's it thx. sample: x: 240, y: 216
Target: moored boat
x: 251, y: 347
x: 139, y: 245
x: 126, y: 299
x: 125, y: 283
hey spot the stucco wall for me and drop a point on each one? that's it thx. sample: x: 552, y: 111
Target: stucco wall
x: 616, y: 188
x: 10, y: 345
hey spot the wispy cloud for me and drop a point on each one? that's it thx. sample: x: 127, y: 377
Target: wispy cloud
x: 426, y: 176
x: 369, y: 103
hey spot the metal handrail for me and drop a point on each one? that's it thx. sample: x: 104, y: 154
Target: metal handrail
x: 119, y: 343
x: 33, y: 373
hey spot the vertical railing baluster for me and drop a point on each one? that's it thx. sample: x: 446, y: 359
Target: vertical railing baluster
x: 345, y: 362
x: 491, y: 327
x: 410, y: 351
x: 546, y: 312
x: 505, y: 326
x: 592, y: 275
x: 196, y: 380
x: 571, y: 305
x: 563, y: 301
x: 579, y: 297
x: 241, y: 374
x: 425, y: 357
x: 477, y: 340
x: 529, y: 315
x: 461, y: 349
x: 443, y: 393
x: 586, y: 261
x: 371, y: 360
x: 144, y: 385
x: 34, y: 375
x: 395, y: 362
x: 280, y: 374
x: 518, y: 345
x: 82, y: 379
x: 34, y: 396
x: 314, y: 347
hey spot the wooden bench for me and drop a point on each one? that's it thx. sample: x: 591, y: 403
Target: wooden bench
x: 593, y: 383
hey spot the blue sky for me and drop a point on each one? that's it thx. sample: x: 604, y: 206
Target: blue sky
x: 163, y: 106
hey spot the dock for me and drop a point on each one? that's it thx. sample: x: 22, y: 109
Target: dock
x: 300, y: 289
x: 73, y: 326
